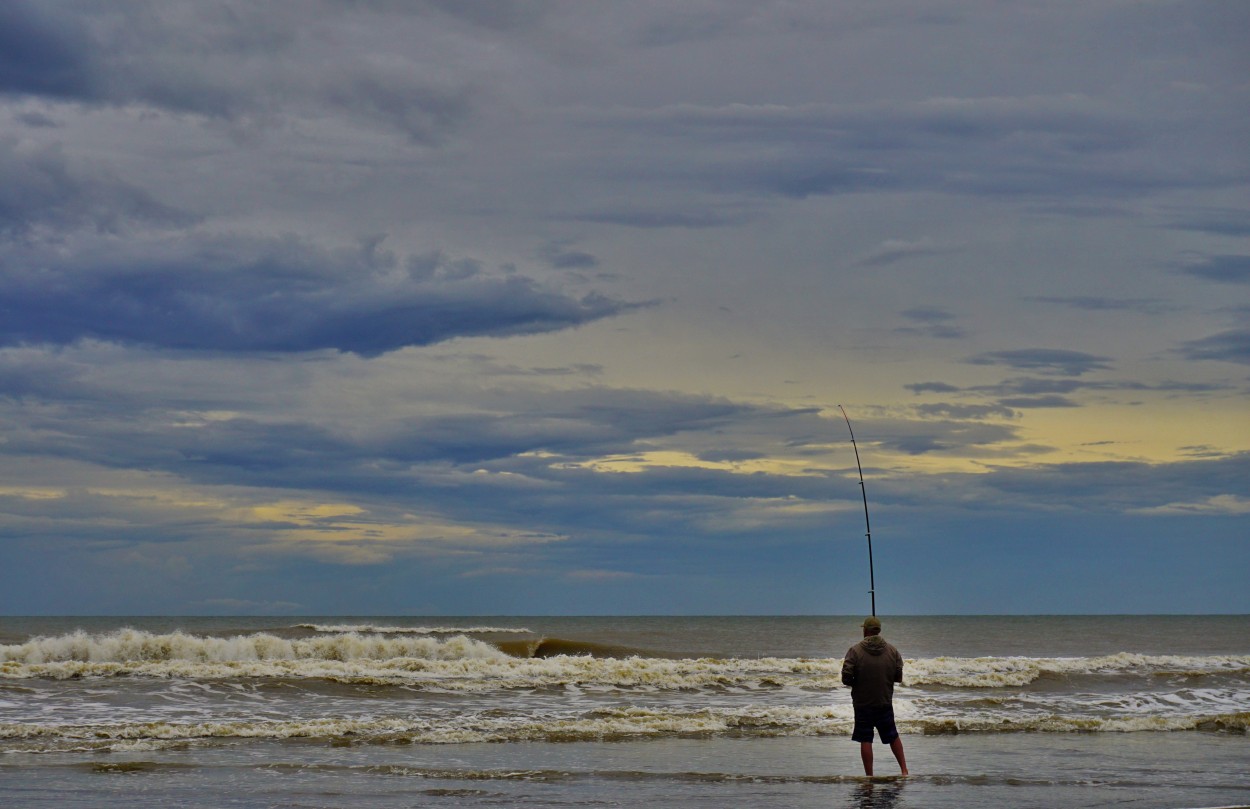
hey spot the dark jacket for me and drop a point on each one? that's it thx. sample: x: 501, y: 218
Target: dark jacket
x: 871, y: 668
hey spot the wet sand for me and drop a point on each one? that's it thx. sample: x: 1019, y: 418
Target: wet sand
x: 1141, y: 770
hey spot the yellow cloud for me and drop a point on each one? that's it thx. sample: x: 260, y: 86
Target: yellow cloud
x: 660, y: 459
x: 201, y: 418
x: 30, y: 493
x: 764, y: 512
x: 599, y: 575
x: 301, y: 513
x: 349, y: 534
x: 336, y: 530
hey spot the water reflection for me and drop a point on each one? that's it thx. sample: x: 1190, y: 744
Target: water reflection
x: 877, y: 795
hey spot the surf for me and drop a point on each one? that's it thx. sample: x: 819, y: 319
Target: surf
x: 556, y: 647
x: 133, y: 645
x: 605, y: 724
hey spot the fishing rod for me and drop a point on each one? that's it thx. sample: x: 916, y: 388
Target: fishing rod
x: 872, y: 584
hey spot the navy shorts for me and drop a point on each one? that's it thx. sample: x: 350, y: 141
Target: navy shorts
x: 880, y: 717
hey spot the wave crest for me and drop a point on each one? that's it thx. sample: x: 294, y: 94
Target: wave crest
x: 461, y: 663
x: 994, y: 672
x: 135, y: 646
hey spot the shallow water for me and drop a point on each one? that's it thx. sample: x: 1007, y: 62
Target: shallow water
x: 1022, y: 770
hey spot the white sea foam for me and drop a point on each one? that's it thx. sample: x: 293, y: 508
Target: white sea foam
x: 490, y: 726
x: 992, y: 672
x: 488, y: 669
x: 131, y: 646
x: 459, y: 663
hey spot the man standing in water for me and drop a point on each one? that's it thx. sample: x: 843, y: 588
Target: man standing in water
x: 871, y: 668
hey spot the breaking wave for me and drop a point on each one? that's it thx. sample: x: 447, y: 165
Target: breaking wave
x: 557, y: 647
x: 132, y: 646
x: 994, y: 672
x: 462, y: 663
x: 488, y: 670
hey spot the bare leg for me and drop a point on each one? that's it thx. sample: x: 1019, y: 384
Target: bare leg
x: 865, y: 754
x: 896, y: 747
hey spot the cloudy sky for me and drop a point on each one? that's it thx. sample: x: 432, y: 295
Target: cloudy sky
x: 547, y: 307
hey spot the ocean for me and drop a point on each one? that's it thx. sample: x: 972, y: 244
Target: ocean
x: 320, y: 711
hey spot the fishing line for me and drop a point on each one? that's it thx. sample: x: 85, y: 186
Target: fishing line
x: 872, y: 584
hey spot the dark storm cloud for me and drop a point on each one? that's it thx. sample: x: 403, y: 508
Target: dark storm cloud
x: 963, y: 411
x: 523, y: 461
x: 259, y: 62
x: 932, y: 387
x: 893, y: 251
x: 574, y: 425
x: 1229, y: 346
x: 41, y: 54
x: 887, y: 125
x: 962, y: 433
x: 1227, y: 269
x: 32, y: 374
x: 1024, y: 393
x: 1036, y: 402
x: 1044, y: 360
x: 425, y: 112
x: 562, y: 257
x: 1038, y: 492
x: 39, y: 189
x: 677, y: 503
x: 933, y: 322
x: 497, y: 15
x: 267, y: 295
x: 684, y: 218
x: 1022, y: 146
x: 37, y: 120
x: 124, y: 428
x: 1216, y: 221
x: 1035, y: 386
x: 680, y: 501
x: 1149, y: 306
x: 925, y: 444
x: 1119, y: 486
x: 523, y: 466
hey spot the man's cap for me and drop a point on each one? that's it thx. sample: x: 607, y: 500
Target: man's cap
x: 872, y: 622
